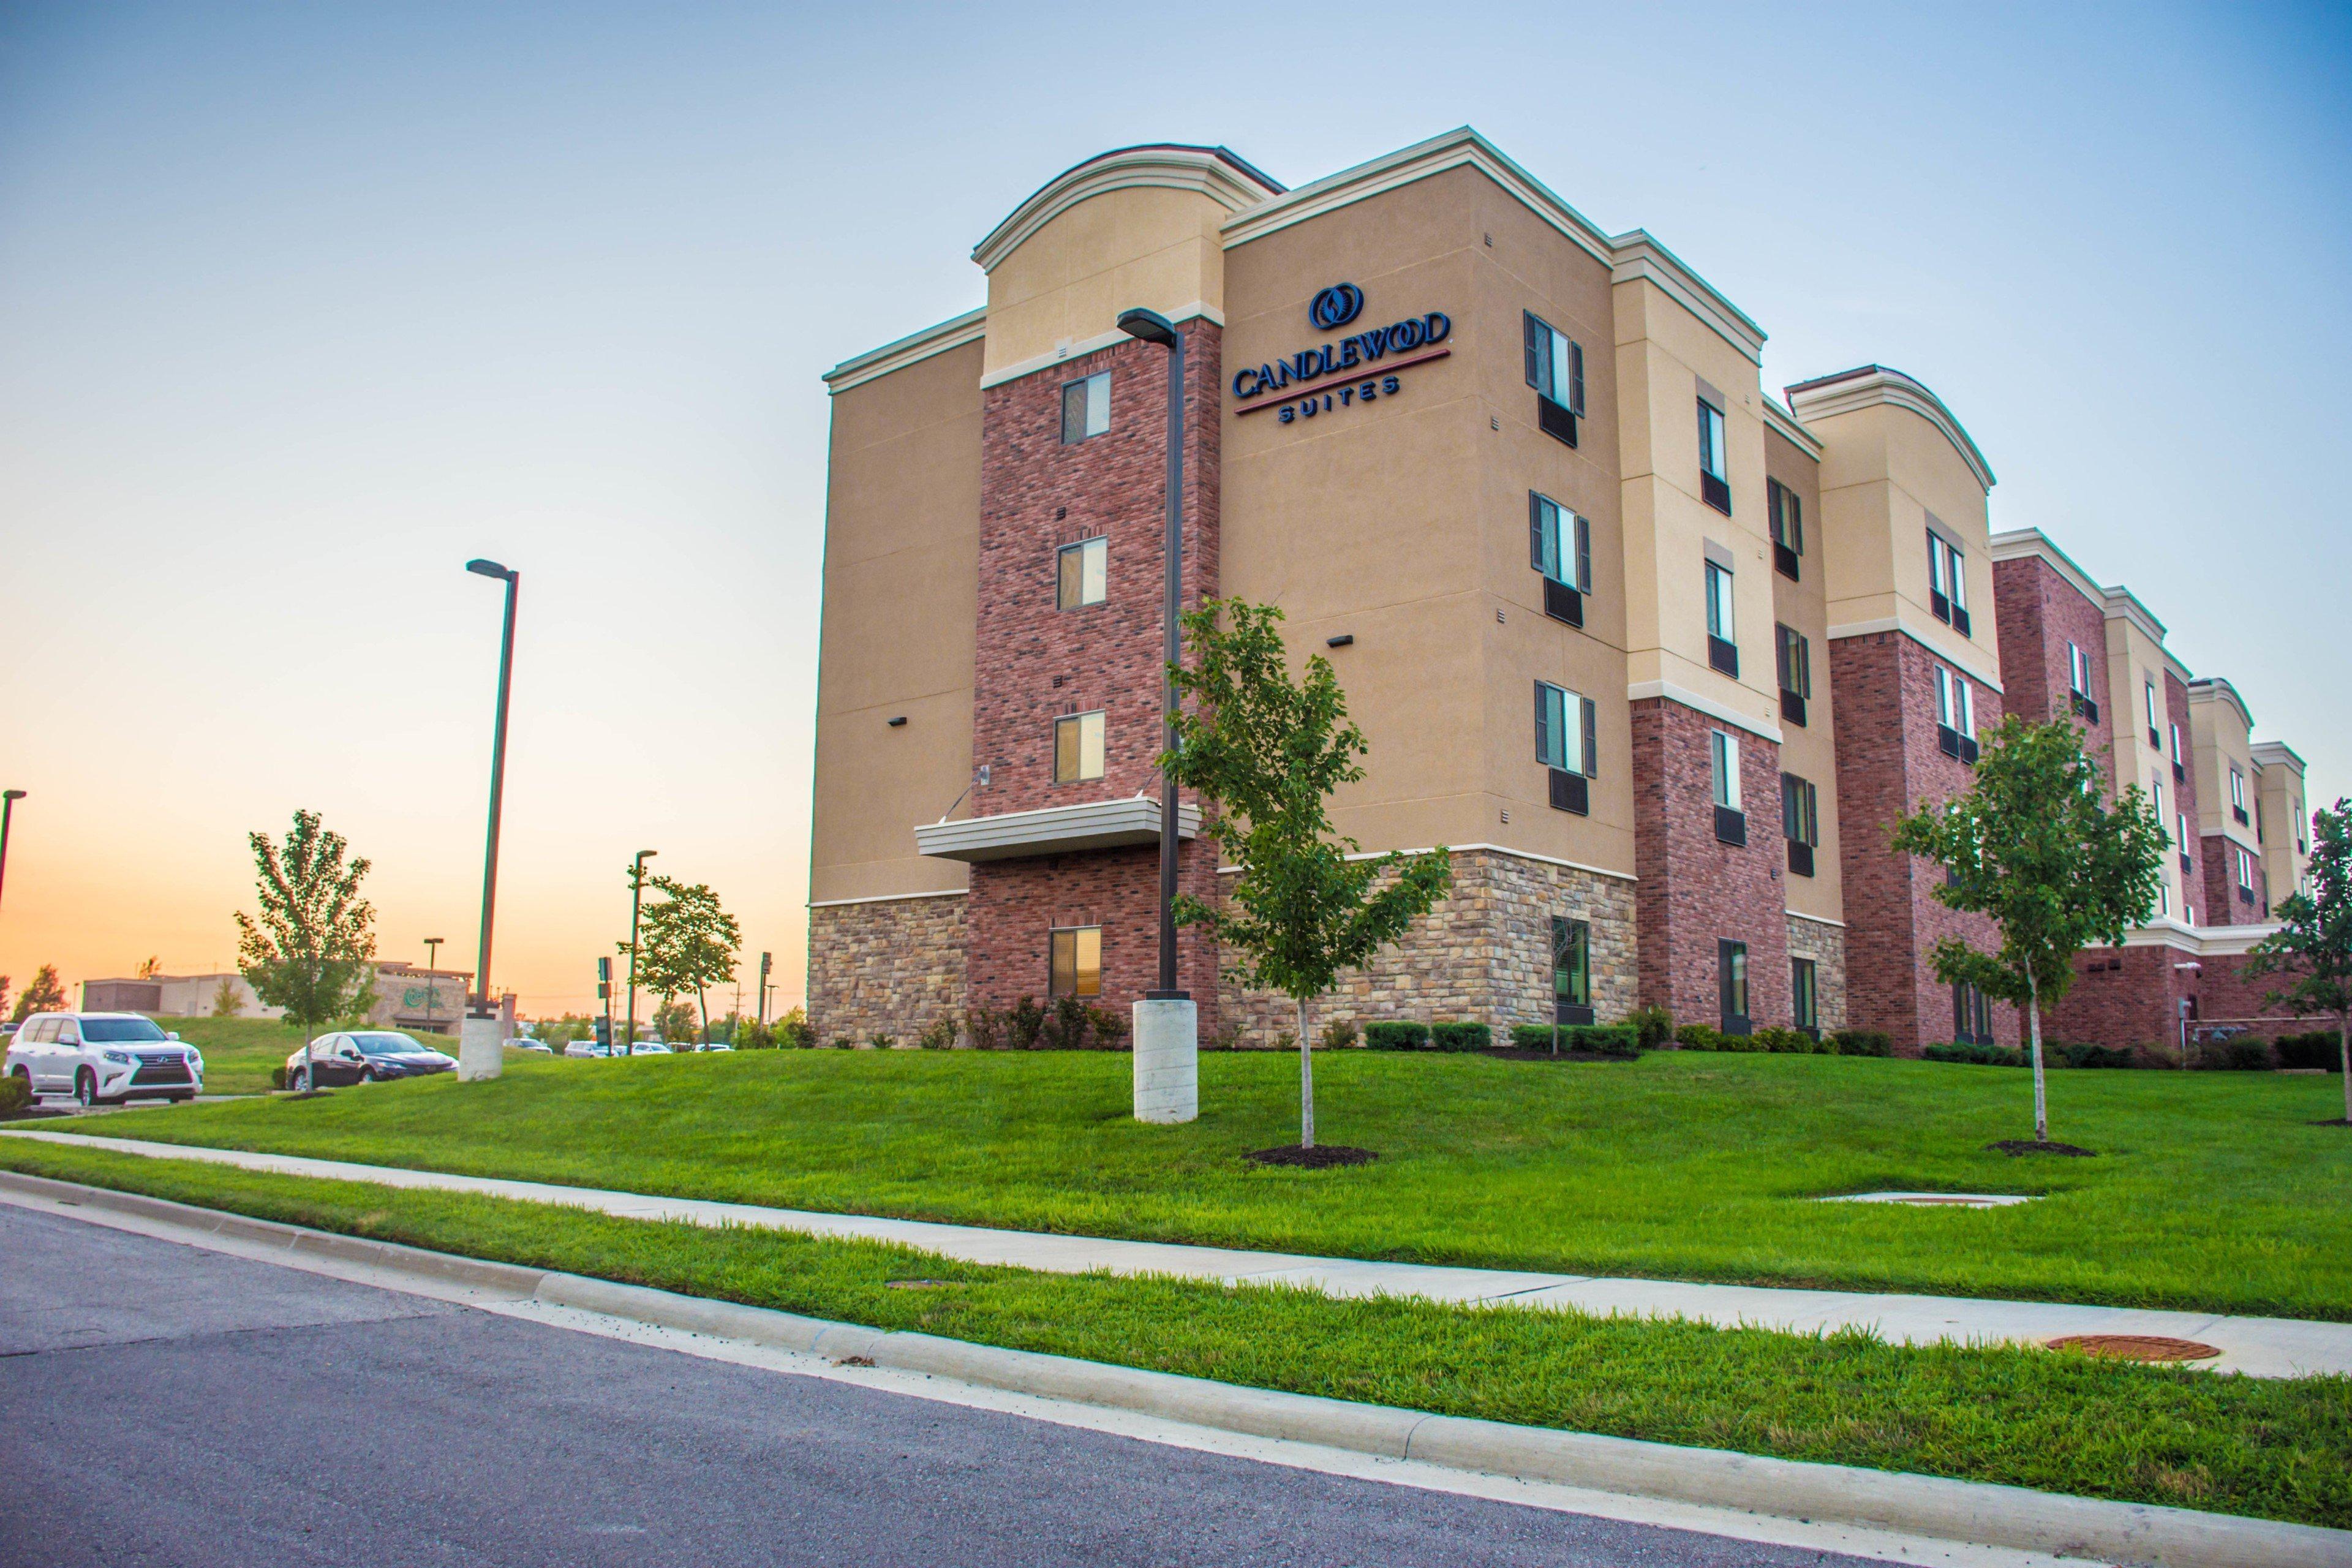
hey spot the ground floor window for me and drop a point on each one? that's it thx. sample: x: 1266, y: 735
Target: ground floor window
x: 1731, y: 968
x: 1572, y: 971
x: 1971, y: 1016
x: 1801, y: 981
x: 1077, y: 963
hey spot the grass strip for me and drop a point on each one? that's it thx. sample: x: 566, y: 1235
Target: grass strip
x: 2057, y: 1422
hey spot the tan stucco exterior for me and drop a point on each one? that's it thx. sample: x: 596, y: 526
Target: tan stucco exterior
x: 2284, y: 820
x: 2222, y: 741
x: 1809, y: 750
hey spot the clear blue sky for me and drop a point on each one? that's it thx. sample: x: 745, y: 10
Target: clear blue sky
x: 301, y: 306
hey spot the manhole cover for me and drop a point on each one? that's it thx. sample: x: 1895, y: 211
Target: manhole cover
x: 917, y: 1284
x: 1935, y: 1200
x: 2136, y: 1347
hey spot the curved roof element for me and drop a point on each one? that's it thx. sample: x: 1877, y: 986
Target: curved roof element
x: 2214, y: 686
x: 1872, y: 384
x: 1216, y: 172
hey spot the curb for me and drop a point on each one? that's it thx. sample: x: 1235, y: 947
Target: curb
x: 1974, y: 1512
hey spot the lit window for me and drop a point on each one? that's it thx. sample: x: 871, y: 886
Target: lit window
x: 1084, y: 575
x: 1076, y: 963
x: 1555, y: 364
x: 1564, y: 729
x: 1078, y: 748
x: 1559, y: 543
x: 1086, y: 407
x: 1723, y: 756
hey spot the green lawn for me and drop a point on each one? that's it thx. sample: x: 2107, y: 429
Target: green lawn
x: 238, y: 1052
x: 2211, y: 1191
x: 2034, y: 1418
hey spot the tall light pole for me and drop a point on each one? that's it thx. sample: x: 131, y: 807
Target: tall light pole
x: 8, y: 799
x: 1167, y: 1023
x: 481, y: 1043
x: 432, y: 984
x: 637, y: 901
x: 764, y: 987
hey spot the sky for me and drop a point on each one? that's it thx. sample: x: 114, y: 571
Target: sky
x: 303, y: 306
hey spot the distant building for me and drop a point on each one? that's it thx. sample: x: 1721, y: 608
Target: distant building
x: 172, y: 996
x: 422, y: 1001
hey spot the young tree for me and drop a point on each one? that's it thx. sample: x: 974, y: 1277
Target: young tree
x: 44, y: 993
x: 686, y: 942
x: 2314, y: 941
x: 1266, y: 752
x: 227, y: 1001
x: 2032, y: 845
x: 4, y: 992
x: 309, y: 950
x: 150, y: 968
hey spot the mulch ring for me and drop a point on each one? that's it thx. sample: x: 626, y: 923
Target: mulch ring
x: 1543, y: 1053
x: 1321, y: 1157
x: 2037, y: 1146
x: 2135, y: 1347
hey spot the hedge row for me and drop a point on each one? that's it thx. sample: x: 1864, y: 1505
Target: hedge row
x: 1594, y: 1039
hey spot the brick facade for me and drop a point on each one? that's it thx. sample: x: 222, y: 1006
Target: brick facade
x: 1888, y: 766
x: 2036, y: 614
x: 1017, y: 904
x: 1482, y: 954
x: 1692, y: 889
x: 885, y: 966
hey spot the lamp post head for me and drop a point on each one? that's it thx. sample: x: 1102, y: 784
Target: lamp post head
x: 1149, y: 325
x: 490, y: 569
x: 12, y: 795
x: 647, y: 854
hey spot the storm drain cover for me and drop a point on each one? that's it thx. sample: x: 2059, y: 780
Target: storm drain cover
x: 2136, y: 1347
x: 1935, y: 1200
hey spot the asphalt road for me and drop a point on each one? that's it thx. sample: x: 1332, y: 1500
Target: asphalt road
x: 163, y: 1405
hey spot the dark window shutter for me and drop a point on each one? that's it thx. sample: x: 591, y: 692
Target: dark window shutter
x: 1583, y: 553
x: 1535, y: 531
x: 1591, y: 768
x: 1576, y: 372
x: 1536, y: 356
x: 1543, y: 726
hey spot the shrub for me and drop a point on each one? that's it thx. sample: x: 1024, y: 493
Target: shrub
x: 1976, y: 1055
x: 1699, y: 1037
x: 938, y: 1034
x: 1065, y: 1026
x: 1653, y: 1026
x: 16, y: 1094
x: 1022, y: 1024
x: 1109, y: 1029
x: 1460, y: 1037
x: 794, y: 1030
x: 1785, y: 1042
x: 1339, y: 1035
x: 2096, y: 1056
x: 277, y: 1078
x: 2240, y: 1055
x: 1593, y: 1039
x: 1228, y: 1038
x: 2318, y: 1050
x: 882, y: 1042
x: 1397, y: 1035
x: 1862, y: 1042
x: 984, y: 1028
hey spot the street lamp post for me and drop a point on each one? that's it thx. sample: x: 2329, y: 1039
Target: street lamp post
x: 8, y: 799
x: 1167, y: 1021
x: 432, y: 984
x: 480, y: 1041
x: 636, y: 901
x: 765, y: 988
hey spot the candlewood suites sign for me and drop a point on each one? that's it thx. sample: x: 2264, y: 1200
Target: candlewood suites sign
x: 1360, y: 368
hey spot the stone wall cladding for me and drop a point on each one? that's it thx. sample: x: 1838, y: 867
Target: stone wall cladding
x: 1888, y: 766
x: 2036, y: 613
x: 1692, y: 889
x: 891, y: 966
x: 1482, y: 955
x: 1034, y: 661
x: 1825, y: 944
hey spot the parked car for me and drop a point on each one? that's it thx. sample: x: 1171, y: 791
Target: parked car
x: 650, y: 1048
x: 587, y: 1046
x: 541, y: 1046
x: 714, y: 1045
x: 104, y: 1059
x: 362, y: 1056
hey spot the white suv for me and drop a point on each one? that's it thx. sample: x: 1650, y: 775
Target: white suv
x: 104, y: 1059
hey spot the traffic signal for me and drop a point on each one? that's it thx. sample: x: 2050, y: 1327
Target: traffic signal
x: 604, y: 980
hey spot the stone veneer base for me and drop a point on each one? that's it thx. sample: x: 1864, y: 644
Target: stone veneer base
x: 885, y: 966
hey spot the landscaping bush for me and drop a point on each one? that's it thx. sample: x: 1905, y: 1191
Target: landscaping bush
x: 2097, y: 1055
x: 17, y: 1095
x: 1593, y: 1039
x: 1065, y: 1026
x: 2243, y: 1054
x: 1108, y: 1028
x: 1699, y: 1037
x: 1862, y: 1042
x: 1653, y: 1027
x: 1338, y: 1034
x: 2317, y: 1050
x: 794, y: 1030
x: 1785, y: 1042
x: 983, y: 1030
x: 1397, y: 1035
x: 1979, y: 1056
x: 1460, y: 1037
x: 938, y: 1034
x: 277, y: 1078
x: 882, y: 1042
x: 1023, y: 1022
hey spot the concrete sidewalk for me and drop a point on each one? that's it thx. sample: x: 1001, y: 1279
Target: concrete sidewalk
x: 2262, y: 1347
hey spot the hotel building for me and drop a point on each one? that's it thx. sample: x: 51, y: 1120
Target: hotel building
x: 1658, y: 654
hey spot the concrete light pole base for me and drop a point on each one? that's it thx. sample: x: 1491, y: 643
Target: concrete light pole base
x: 481, y: 1049
x: 1167, y: 1060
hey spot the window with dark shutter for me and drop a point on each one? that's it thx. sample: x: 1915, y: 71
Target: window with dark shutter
x: 1786, y: 516
x: 1559, y: 546
x: 1554, y: 368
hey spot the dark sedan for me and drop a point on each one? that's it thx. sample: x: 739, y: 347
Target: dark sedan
x: 362, y: 1056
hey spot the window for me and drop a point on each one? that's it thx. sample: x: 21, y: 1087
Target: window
x: 1793, y: 658
x: 1556, y: 369
x: 1723, y: 759
x: 1800, y: 822
x: 2078, y: 671
x: 1713, y: 478
x: 1084, y: 573
x: 1086, y: 407
x: 1572, y: 971
x: 2237, y: 794
x: 1956, y: 715
x: 2180, y: 824
x: 1947, y: 582
x: 1564, y: 743
x: 2180, y: 763
x: 2155, y: 725
x: 1971, y: 1016
x: 2155, y: 798
x: 1804, y: 1001
x: 1786, y: 514
x: 2245, y: 872
x: 1559, y: 545
x: 1722, y: 627
x: 1731, y: 972
x: 1077, y: 968
x: 1078, y: 747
